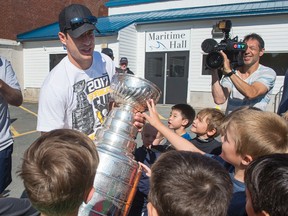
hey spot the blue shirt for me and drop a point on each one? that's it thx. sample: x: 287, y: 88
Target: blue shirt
x: 238, y: 201
x: 186, y: 136
x: 148, y: 157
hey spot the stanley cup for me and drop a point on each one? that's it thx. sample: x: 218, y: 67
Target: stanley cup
x: 118, y: 173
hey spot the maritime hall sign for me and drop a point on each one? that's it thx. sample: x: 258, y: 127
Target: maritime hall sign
x: 168, y: 41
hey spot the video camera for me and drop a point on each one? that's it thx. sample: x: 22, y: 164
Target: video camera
x: 231, y: 47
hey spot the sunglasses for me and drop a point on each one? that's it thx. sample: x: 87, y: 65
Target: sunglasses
x: 77, y: 22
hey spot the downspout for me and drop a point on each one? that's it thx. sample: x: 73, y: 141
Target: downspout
x: 9, y: 42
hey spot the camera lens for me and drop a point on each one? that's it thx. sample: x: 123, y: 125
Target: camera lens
x: 214, y: 60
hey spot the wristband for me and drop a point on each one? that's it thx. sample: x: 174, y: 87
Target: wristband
x: 230, y: 73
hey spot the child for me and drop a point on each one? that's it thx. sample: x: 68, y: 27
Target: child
x: 206, y: 126
x: 246, y: 134
x: 146, y: 155
x: 267, y: 189
x: 58, y: 171
x: 181, y: 117
x: 187, y: 183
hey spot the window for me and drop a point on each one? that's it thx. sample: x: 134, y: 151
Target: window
x: 276, y: 61
x: 55, y: 59
x: 177, y: 66
x: 205, y: 70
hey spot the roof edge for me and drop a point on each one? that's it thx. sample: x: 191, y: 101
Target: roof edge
x: 117, y: 3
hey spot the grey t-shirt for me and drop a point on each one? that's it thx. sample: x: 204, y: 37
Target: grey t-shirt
x: 264, y: 75
x: 8, y: 75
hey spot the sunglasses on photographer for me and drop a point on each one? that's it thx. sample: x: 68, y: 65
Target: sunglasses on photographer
x: 77, y: 22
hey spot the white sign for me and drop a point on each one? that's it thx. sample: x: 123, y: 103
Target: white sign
x: 168, y: 41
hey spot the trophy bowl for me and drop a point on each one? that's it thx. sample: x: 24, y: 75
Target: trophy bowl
x: 118, y: 173
x: 133, y: 91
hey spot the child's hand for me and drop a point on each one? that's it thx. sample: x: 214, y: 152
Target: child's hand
x: 146, y: 169
x: 285, y: 115
x: 159, y: 138
x: 153, y: 119
x: 159, y: 135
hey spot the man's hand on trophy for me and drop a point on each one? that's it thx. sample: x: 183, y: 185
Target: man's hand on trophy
x: 139, y: 121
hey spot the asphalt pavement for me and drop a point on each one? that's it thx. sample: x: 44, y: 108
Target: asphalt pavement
x: 24, y: 120
x: 23, y: 127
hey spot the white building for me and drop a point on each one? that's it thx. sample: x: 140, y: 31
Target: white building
x: 162, y: 40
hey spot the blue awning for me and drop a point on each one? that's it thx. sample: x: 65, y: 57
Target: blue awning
x: 112, y: 24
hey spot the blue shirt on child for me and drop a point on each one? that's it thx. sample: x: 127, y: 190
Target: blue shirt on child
x: 238, y: 201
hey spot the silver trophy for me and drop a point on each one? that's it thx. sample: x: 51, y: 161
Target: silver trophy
x: 118, y: 173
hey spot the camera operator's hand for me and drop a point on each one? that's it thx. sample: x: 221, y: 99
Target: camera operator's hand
x: 226, y: 64
x: 220, y: 93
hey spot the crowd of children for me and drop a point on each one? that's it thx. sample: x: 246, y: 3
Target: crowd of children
x: 244, y: 174
x: 246, y: 134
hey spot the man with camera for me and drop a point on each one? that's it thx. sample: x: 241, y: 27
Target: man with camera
x: 248, y: 85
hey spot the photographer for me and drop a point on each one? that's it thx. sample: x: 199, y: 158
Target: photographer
x: 251, y: 84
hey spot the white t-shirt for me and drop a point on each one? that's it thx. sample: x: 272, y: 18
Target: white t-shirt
x: 264, y: 75
x: 74, y: 98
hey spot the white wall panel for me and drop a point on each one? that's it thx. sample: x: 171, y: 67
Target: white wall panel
x: 128, y: 46
x: 36, y: 61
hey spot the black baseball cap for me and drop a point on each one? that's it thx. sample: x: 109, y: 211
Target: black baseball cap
x: 76, y: 19
x: 124, y: 60
x: 108, y: 52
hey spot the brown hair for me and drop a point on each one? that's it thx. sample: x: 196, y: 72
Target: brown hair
x: 214, y: 119
x: 257, y: 132
x: 257, y: 37
x: 58, y: 171
x: 186, y: 183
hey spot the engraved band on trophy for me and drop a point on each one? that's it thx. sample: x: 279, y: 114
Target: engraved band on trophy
x: 118, y: 173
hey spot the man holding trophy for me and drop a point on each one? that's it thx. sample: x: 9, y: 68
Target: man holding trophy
x: 76, y: 93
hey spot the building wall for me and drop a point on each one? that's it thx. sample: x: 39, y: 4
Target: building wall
x: 273, y: 29
x: 128, y: 42
x: 21, y: 16
x: 131, y: 43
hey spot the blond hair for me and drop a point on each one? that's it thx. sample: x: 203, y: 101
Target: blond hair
x: 214, y: 119
x: 256, y: 132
